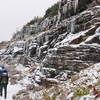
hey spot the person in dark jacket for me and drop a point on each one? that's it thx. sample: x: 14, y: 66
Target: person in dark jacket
x: 4, y: 82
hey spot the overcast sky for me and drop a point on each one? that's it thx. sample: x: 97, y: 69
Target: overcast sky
x: 15, y: 13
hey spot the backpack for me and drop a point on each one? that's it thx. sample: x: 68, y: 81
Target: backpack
x: 4, y: 78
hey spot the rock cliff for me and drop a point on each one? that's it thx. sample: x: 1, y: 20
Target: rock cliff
x: 56, y: 53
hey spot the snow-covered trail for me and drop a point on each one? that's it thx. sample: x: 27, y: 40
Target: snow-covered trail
x: 11, y: 91
x: 14, y: 89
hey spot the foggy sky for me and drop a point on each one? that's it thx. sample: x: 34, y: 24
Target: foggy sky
x: 15, y: 13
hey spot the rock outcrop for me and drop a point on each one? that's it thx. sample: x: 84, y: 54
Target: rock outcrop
x: 37, y: 27
x: 62, y: 50
x: 75, y: 51
x: 66, y: 55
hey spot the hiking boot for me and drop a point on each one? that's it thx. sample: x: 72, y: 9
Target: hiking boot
x: 0, y: 94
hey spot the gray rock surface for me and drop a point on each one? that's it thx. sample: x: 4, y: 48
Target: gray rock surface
x: 68, y: 48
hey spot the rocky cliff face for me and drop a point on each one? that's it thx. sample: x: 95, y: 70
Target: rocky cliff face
x: 37, y: 27
x: 72, y: 46
x: 56, y: 53
x: 71, y: 8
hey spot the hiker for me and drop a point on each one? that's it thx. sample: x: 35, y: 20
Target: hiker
x: 4, y: 81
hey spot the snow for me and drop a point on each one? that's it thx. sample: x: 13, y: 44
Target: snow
x: 25, y: 82
x: 20, y: 42
x: 11, y: 91
x: 2, y: 51
x: 86, y: 77
x: 52, y: 80
x: 16, y: 49
x: 38, y: 51
x: 20, y: 67
x: 94, y: 45
x: 73, y: 25
x: 71, y: 37
x: 91, y: 73
x: 50, y: 69
x: 87, y: 97
x: 88, y: 11
x: 97, y: 33
x: 70, y: 95
x: 97, y: 7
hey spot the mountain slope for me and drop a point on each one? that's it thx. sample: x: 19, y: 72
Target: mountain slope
x: 61, y: 62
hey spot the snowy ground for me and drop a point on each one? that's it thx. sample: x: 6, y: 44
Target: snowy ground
x: 14, y: 89
x: 11, y: 91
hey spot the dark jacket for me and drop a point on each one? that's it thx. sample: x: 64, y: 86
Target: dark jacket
x: 4, y: 78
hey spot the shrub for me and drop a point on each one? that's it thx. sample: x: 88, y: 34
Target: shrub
x: 82, y: 92
x: 46, y: 97
x: 34, y: 20
x: 83, y: 4
x: 52, y: 11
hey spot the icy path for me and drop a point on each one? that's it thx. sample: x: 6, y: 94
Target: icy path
x: 11, y: 90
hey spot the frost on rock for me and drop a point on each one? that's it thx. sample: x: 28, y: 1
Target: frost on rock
x: 16, y: 49
x: 63, y: 58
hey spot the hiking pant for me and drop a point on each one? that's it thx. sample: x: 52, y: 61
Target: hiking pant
x: 4, y: 86
x: 0, y: 88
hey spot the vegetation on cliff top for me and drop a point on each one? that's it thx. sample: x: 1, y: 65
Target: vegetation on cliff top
x: 50, y: 12
x: 53, y: 10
